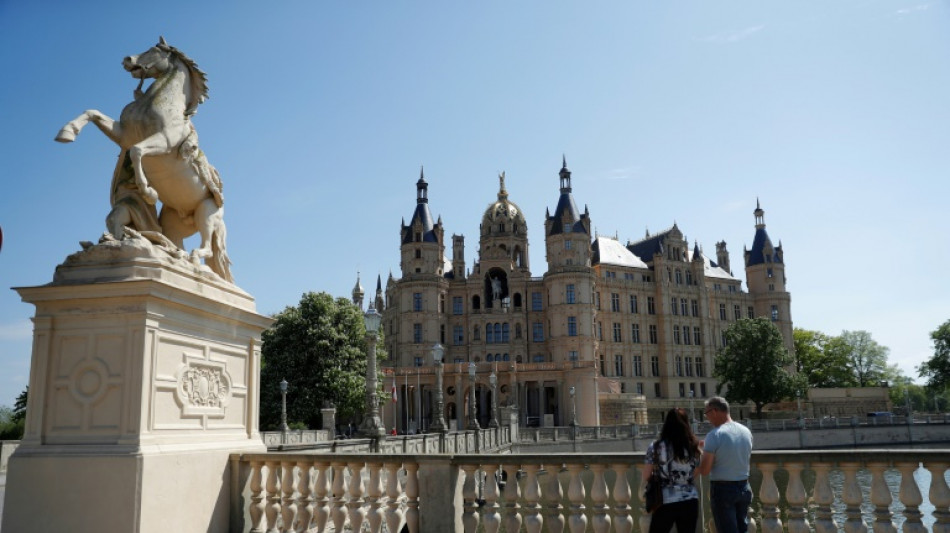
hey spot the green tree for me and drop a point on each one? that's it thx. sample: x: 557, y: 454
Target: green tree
x: 319, y: 347
x: 12, y: 421
x: 818, y: 365
x: 937, y: 368
x: 753, y: 365
x: 867, y: 359
x: 19, y: 406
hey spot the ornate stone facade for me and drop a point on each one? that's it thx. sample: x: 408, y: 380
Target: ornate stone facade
x: 641, y: 318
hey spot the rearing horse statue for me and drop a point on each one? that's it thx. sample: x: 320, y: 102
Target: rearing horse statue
x: 160, y: 160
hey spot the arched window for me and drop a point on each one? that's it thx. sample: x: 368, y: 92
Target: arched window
x: 489, y: 334
x: 689, y: 277
x: 679, y: 277
x: 498, y: 337
x: 488, y: 358
x: 504, y: 332
x: 505, y: 357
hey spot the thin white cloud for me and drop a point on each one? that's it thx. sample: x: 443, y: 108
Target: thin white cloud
x: 16, y: 331
x: 734, y: 36
x: 619, y: 174
x: 909, y: 10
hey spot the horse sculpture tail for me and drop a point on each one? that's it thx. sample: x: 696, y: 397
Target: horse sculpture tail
x: 219, y: 262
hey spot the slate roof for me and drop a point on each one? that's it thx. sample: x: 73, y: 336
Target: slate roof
x: 611, y: 252
x: 757, y: 255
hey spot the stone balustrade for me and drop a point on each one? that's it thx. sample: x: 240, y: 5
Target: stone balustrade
x: 796, y: 491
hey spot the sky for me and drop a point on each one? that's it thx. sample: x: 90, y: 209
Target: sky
x: 834, y: 115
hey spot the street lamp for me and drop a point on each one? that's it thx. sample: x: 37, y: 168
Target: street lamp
x: 493, y: 380
x: 438, y: 420
x: 372, y: 426
x: 472, y: 416
x: 801, y: 420
x: 283, y: 406
x: 572, y: 392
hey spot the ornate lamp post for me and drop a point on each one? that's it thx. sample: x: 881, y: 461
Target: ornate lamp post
x: 372, y: 426
x: 493, y: 380
x: 438, y: 419
x: 283, y: 406
x: 472, y: 413
x: 572, y: 392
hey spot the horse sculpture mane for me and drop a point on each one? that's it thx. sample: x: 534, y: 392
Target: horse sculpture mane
x: 198, y: 78
x: 160, y: 160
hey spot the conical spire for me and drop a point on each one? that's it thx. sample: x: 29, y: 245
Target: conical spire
x: 565, y: 175
x: 422, y: 188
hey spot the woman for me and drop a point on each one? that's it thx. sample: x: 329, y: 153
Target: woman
x: 677, y: 456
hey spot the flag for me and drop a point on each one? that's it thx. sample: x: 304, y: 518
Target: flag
x: 394, y: 393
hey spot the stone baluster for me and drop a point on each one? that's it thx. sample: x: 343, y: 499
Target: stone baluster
x: 469, y: 506
x: 769, y: 497
x: 393, y: 512
x: 375, y: 493
x: 940, y: 497
x: 598, y: 495
x: 645, y: 518
x: 338, y: 497
x: 911, y: 498
x: 412, y: 497
x: 321, y: 511
x: 533, y: 520
x: 881, y: 498
x: 623, y: 522
x: 512, y: 494
x: 257, y: 499
x: 553, y: 494
x: 272, y: 511
x: 491, y: 520
x: 288, y: 507
x: 823, y: 498
x: 796, y: 497
x: 576, y: 495
x: 355, y: 503
x: 851, y: 496
x: 304, y: 500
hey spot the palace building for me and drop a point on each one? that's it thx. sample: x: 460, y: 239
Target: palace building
x: 610, y: 333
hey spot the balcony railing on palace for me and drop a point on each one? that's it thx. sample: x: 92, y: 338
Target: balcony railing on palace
x: 795, y: 491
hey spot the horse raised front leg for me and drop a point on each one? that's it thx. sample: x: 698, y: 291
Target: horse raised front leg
x: 156, y: 144
x: 109, y: 127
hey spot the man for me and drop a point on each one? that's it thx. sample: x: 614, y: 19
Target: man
x: 727, y: 451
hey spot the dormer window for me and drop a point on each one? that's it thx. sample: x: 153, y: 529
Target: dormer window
x: 418, y: 237
x: 567, y: 227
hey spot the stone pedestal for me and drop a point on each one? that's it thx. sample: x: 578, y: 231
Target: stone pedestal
x: 144, y: 379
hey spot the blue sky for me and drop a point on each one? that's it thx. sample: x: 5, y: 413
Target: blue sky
x: 836, y: 115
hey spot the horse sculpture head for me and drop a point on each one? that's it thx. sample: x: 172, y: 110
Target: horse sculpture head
x: 162, y: 59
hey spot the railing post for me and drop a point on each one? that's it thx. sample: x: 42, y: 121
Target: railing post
x: 304, y: 501
x: 911, y: 498
x: 623, y: 522
x: 768, y: 495
x: 469, y: 494
x: 437, y: 486
x: 598, y: 495
x: 796, y: 497
x: 881, y: 498
x: 823, y: 498
x: 393, y: 512
x: 273, y: 497
x: 491, y: 519
x: 257, y: 499
x: 321, y: 490
x: 553, y: 494
x: 852, y: 497
x: 940, y: 496
x: 576, y: 495
x: 533, y: 520
x: 511, y: 494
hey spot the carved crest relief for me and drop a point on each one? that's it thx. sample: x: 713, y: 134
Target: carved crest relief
x: 204, y: 388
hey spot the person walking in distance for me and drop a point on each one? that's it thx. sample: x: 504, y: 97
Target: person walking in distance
x: 676, y: 455
x: 727, y: 452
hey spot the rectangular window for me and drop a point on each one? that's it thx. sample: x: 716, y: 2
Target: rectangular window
x: 774, y: 313
x: 682, y: 390
x: 615, y: 302
x: 651, y: 305
x: 676, y: 334
x: 617, y: 337
x: 572, y: 355
x: 597, y: 300
x: 679, y: 366
x: 417, y: 333
x: 640, y: 388
x: 600, y: 331
x: 751, y: 312
x: 618, y: 365
x: 536, y: 301
x: 637, y: 365
x: 458, y: 335
x: 417, y: 301
x: 689, y: 366
x: 567, y: 245
x: 686, y: 338
x: 633, y: 304
x: 442, y: 334
x: 457, y: 305
x: 537, y: 332
x: 571, y: 326
x: 476, y: 334
x: 655, y: 366
x: 697, y: 336
x: 673, y: 308
x: 722, y: 311
x: 695, y: 306
x: 570, y: 293
x: 653, y: 336
x: 683, y: 309
x: 656, y: 389
x: 737, y: 311
x: 701, y: 371
x: 723, y: 338
x: 635, y: 333
x: 417, y: 361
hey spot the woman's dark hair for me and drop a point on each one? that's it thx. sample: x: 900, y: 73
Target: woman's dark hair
x: 677, y: 433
